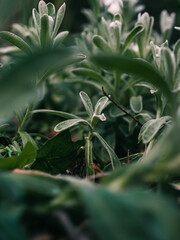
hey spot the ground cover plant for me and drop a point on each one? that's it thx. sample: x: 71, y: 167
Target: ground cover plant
x: 90, y: 125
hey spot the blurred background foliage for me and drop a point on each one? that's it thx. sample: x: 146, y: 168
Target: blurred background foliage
x: 20, y: 11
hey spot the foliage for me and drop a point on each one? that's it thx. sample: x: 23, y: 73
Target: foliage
x: 90, y: 166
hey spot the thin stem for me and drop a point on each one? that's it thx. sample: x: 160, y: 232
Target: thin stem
x: 26, y: 117
x: 122, y: 109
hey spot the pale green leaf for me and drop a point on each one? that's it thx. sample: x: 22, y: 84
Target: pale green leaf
x: 87, y: 103
x: 136, y: 104
x: 59, y: 19
x: 62, y: 126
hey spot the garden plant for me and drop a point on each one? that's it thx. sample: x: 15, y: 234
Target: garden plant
x: 90, y: 125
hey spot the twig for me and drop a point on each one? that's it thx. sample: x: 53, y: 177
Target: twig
x: 122, y: 109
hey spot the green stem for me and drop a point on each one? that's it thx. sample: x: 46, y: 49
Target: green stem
x: 89, y: 156
x: 26, y: 117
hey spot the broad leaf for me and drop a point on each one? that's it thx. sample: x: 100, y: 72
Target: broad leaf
x: 26, y: 157
x: 151, y: 128
x: 57, y: 153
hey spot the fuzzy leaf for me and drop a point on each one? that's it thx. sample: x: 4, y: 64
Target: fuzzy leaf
x: 60, y: 38
x: 56, y: 113
x: 131, y: 36
x: 62, y: 126
x: 59, y: 19
x: 51, y: 10
x: 15, y: 40
x: 42, y: 8
x: 113, y: 157
x: 27, y: 138
x: 151, y: 128
x: 36, y: 19
x: 100, y: 105
x: 136, y: 104
x: 87, y: 103
x: 44, y: 31
x: 101, y: 43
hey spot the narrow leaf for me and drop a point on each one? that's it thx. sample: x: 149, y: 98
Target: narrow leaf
x: 36, y: 19
x: 59, y: 19
x: 27, y: 138
x: 60, y: 38
x: 15, y: 40
x: 42, y: 8
x: 87, y: 103
x: 56, y: 113
x: 101, y: 43
x: 100, y: 105
x: 62, y: 126
x: 113, y: 157
x: 51, y: 10
x: 44, y: 31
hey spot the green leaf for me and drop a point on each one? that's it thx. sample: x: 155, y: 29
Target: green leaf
x: 89, y: 73
x: 3, y: 128
x: 51, y: 10
x: 60, y: 38
x: 55, y: 113
x: 16, y: 41
x: 42, y: 8
x: 87, y: 103
x: 136, y: 104
x: 113, y: 157
x: 169, y: 62
x: 57, y: 153
x: 131, y: 36
x: 26, y: 157
x: 139, y: 68
x: 101, y: 43
x: 62, y: 126
x: 177, y: 51
x: 100, y: 105
x: 151, y: 128
x: 59, y: 19
x: 27, y: 138
x: 36, y: 19
x: 44, y: 31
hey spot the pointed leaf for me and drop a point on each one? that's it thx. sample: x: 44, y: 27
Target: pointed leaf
x: 27, y: 138
x: 59, y: 19
x: 87, y: 103
x: 113, y: 157
x: 56, y: 113
x: 131, y: 36
x: 62, y: 126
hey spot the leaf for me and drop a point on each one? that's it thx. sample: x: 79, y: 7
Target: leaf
x: 3, y: 128
x: 26, y: 157
x: 87, y: 103
x: 101, y: 43
x: 44, y: 31
x: 136, y: 67
x: 59, y: 19
x: 57, y: 153
x: 113, y: 157
x: 60, y: 38
x: 36, y: 19
x: 42, y: 8
x: 62, y: 126
x: 27, y: 138
x: 89, y: 73
x: 100, y: 105
x: 151, y: 128
x: 177, y: 51
x: 51, y: 10
x: 131, y: 36
x: 55, y: 113
x: 136, y: 104
x: 15, y: 40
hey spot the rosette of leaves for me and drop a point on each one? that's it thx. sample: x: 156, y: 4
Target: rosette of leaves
x: 42, y: 32
x: 94, y: 116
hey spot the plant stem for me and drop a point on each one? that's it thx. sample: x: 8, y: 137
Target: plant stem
x: 89, y: 156
x: 26, y: 117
